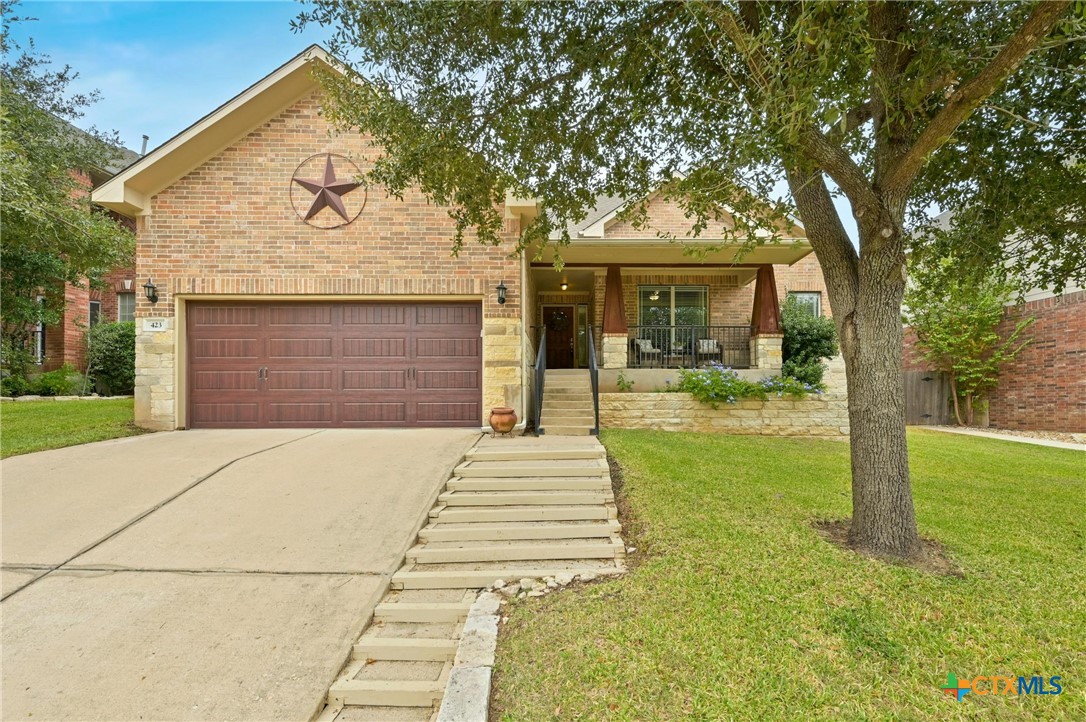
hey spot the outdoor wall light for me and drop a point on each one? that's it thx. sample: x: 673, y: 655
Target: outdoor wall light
x: 151, y: 291
x: 501, y: 292
x: 564, y: 285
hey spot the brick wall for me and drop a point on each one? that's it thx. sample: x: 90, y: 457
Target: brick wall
x: 230, y: 227
x: 1045, y: 387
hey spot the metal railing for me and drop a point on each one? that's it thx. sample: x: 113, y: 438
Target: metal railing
x: 688, y: 346
x: 540, y: 378
x: 594, y: 374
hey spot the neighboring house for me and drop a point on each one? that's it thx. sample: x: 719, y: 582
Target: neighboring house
x: 287, y: 295
x: 1044, y: 388
x: 84, y: 306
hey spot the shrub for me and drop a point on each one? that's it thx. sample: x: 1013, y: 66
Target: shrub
x: 807, y: 340
x: 60, y: 382
x: 718, y: 383
x: 623, y: 383
x: 111, y: 356
x: 14, y: 386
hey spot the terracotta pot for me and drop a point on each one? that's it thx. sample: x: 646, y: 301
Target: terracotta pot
x: 502, y: 419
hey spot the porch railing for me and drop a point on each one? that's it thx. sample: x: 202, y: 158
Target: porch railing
x: 688, y: 346
x: 540, y: 379
x: 594, y: 375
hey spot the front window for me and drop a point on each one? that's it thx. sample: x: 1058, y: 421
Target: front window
x: 126, y: 307
x: 811, y: 300
x: 94, y: 315
x: 673, y: 305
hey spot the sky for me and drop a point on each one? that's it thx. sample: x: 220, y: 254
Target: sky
x: 161, y: 66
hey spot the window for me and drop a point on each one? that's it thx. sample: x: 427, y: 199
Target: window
x: 812, y: 300
x: 39, y: 336
x: 95, y: 313
x: 673, y: 305
x: 126, y: 306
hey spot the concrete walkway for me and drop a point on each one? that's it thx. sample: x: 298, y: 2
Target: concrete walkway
x: 204, y: 575
x: 1008, y: 437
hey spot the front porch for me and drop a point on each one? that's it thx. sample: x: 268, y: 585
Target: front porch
x: 658, y: 318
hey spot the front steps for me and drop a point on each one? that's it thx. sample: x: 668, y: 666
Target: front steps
x: 567, y: 403
x: 515, y: 508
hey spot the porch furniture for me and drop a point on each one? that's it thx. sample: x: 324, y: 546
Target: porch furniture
x: 689, y: 346
x: 645, y: 353
x: 708, y: 351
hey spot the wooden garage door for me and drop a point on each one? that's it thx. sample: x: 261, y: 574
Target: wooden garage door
x: 334, y: 364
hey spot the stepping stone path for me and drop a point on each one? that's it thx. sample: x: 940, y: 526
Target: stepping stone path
x: 522, y: 517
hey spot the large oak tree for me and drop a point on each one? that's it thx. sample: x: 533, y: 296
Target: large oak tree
x: 897, y: 106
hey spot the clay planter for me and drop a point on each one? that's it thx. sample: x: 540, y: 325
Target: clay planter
x: 502, y: 419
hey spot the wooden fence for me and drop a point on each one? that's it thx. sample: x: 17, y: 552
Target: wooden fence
x: 927, y: 398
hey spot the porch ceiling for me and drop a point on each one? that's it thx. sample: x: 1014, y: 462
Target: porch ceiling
x: 654, y: 252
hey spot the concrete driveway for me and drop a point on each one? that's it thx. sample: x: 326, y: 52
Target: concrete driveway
x: 203, y: 575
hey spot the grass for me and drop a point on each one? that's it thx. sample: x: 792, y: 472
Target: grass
x: 739, y: 610
x: 39, y: 425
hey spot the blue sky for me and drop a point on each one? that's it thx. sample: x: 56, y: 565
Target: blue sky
x: 160, y: 66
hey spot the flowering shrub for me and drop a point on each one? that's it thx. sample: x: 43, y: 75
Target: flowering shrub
x: 719, y: 383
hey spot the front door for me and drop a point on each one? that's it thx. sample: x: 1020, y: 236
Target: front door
x: 558, y: 321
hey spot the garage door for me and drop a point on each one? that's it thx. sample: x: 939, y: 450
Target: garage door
x: 253, y: 365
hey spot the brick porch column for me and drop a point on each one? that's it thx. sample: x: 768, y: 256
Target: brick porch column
x: 766, y: 335
x: 615, y: 328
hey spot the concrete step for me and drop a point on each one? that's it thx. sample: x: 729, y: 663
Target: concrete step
x: 521, y: 530
x: 413, y: 649
x: 565, y: 417
x: 477, y: 579
x: 524, y: 498
x: 537, y: 483
x: 578, y: 405
x: 444, y: 553
x: 567, y: 372
x: 421, y: 613
x: 370, y: 713
x: 386, y: 693
x: 567, y: 430
x: 535, y: 454
x: 509, y: 514
x: 563, y: 394
x: 533, y: 468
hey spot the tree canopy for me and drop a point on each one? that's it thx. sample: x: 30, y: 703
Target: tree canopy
x: 898, y: 106
x: 51, y: 233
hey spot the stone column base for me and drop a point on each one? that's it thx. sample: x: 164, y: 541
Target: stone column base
x: 614, y: 351
x: 765, y: 351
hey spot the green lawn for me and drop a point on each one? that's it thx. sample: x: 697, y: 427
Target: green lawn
x: 39, y: 425
x: 741, y: 611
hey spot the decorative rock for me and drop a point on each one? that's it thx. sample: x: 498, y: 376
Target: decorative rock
x: 552, y: 584
x: 6, y: 398
x: 536, y: 593
x: 631, y: 550
x: 498, y: 584
x: 564, y: 578
x: 586, y: 576
x: 527, y: 583
x: 509, y: 590
x: 28, y: 398
x: 522, y: 595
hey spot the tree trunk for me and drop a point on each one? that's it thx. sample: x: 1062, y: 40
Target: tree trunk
x: 865, y: 293
x: 954, y: 396
x: 883, y: 519
x: 969, y: 409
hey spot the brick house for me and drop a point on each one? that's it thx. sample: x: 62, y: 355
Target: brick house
x: 84, y: 305
x: 286, y: 296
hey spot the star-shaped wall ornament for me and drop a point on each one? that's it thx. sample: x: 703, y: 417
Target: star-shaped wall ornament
x: 328, y: 192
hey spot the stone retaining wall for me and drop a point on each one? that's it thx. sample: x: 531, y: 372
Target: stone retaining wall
x: 824, y: 416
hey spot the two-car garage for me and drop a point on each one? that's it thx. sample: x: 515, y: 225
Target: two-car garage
x: 333, y: 364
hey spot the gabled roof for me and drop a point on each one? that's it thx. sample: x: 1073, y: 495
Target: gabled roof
x: 130, y: 191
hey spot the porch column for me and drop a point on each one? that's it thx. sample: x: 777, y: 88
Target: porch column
x: 615, y: 328
x: 766, y: 335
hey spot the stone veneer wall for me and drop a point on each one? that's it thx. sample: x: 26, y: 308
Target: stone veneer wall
x: 822, y: 416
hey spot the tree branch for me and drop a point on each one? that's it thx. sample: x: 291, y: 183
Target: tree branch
x: 969, y: 96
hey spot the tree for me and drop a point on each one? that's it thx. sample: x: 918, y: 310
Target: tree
x: 955, y: 315
x: 895, y: 105
x: 51, y: 233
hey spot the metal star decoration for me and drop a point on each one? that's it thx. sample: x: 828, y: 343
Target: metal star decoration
x: 328, y: 192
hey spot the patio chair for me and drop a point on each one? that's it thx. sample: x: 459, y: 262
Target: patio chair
x: 644, y: 352
x: 708, y: 350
